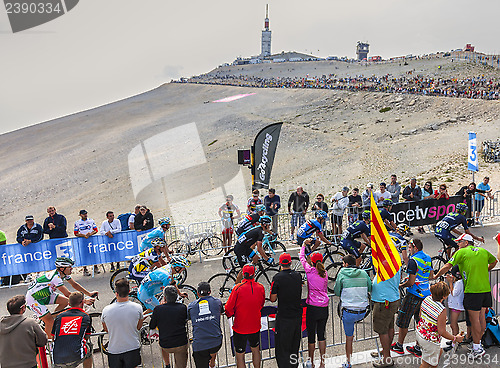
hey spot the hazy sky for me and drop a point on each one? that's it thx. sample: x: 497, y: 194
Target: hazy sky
x: 105, y: 50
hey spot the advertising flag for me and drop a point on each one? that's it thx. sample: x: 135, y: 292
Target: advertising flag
x: 265, y: 147
x: 385, y: 256
x: 472, y: 154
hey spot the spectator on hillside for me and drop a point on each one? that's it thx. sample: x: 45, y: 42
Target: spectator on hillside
x: 131, y: 218
x: 30, y: 232
x: 245, y: 304
x: 366, y: 195
x: 340, y: 201
x: 71, y: 332
x: 412, y: 192
x: 353, y: 286
x: 381, y: 194
x: 480, y: 197
x: 272, y: 202
x: 253, y: 201
x: 427, y: 192
x: 55, y: 224
x: 170, y: 318
x: 228, y: 212
x: 85, y: 228
x: 394, y: 188
x: 144, y: 219
x: 207, y: 334
x: 354, y: 207
x: 320, y: 203
x: 20, y: 336
x: 297, y: 207
x: 441, y: 192
x: 110, y: 227
x: 286, y: 288
x: 122, y: 321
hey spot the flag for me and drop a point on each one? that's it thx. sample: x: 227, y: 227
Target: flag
x: 265, y: 144
x: 385, y: 257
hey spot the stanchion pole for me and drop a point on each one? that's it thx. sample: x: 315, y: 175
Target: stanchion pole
x: 42, y: 355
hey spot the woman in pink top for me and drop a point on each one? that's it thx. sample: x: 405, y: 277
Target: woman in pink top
x: 317, y: 303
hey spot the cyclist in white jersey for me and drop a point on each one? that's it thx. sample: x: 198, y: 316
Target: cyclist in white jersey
x: 43, y: 291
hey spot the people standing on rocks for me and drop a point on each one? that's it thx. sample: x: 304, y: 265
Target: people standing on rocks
x: 297, y: 207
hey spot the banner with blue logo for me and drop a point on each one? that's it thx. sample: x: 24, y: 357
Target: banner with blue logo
x: 16, y: 259
x: 472, y: 154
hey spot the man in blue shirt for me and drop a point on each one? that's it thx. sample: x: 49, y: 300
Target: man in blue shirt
x: 273, y: 203
x: 484, y: 185
x: 30, y: 232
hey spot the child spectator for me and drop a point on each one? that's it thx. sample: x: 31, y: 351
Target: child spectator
x: 455, y: 301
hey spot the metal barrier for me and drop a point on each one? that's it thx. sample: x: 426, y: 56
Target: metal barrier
x: 491, y: 208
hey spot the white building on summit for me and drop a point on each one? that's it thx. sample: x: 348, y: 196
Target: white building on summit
x: 266, y: 37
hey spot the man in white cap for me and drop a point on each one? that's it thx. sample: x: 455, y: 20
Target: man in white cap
x: 474, y: 264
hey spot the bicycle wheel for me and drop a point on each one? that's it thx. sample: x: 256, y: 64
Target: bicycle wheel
x: 122, y: 273
x: 297, y: 266
x: 191, y: 292
x: 96, y: 327
x: 334, y: 257
x: 211, y: 246
x: 277, y: 247
x: 266, y: 274
x: 230, y: 262
x: 437, y: 262
x: 222, y: 284
x: 180, y: 247
x: 181, y: 277
x: 332, y: 270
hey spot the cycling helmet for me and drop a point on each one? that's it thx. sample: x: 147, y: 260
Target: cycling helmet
x: 403, y: 228
x: 64, y: 262
x: 387, y: 203
x: 260, y: 207
x: 180, y: 261
x: 321, y: 214
x: 461, y: 208
x: 158, y: 242
x: 366, y: 214
x: 164, y: 221
x: 265, y: 219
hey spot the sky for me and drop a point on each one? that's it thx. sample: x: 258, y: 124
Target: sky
x: 106, y: 50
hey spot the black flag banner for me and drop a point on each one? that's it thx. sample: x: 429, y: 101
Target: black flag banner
x: 265, y: 147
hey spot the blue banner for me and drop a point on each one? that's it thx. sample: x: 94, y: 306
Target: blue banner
x: 16, y: 259
x: 472, y: 153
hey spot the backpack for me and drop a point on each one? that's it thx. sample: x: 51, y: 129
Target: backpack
x: 491, y: 336
x: 123, y: 218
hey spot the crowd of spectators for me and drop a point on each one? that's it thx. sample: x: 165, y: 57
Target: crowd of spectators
x: 478, y: 87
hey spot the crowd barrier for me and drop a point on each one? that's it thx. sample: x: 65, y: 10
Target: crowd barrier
x: 491, y: 210
x: 335, y: 337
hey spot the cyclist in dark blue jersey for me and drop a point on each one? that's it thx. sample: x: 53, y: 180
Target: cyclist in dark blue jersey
x: 358, y: 229
x: 449, y: 223
x: 250, y: 220
x: 386, y: 215
x: 399, y: 240
x: 310, y: 228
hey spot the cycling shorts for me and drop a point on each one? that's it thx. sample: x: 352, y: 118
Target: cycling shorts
x: 147, y: 297
x: 39, y: 309
x: 351, y: 246
x: 446, y: 237
x: 243, y: 254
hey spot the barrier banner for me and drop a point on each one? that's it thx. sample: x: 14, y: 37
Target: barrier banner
x: 424, y: 212
x: 16, y: 259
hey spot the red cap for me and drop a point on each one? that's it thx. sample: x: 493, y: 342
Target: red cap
x: 315, y: 257
x: 285, y: 259
x: 248, y: 269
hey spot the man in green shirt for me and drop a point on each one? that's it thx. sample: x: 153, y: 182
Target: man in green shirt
x: 474, y: 264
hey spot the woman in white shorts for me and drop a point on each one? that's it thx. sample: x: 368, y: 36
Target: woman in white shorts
x: 432, y: 325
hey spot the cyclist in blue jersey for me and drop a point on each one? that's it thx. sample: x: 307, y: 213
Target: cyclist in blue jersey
x: 145, y: 261
x: 159, y: 232
x: 310, y: 228
x: 156, y: 280
x: 360, y: 228
x: 449, y: 223
x: 250, y: 220
x: 399, y: 240
x: 386, y: 215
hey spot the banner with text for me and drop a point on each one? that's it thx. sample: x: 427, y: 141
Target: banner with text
x: 424, y: 212
x: 16, y: 259
x: 265, y: 147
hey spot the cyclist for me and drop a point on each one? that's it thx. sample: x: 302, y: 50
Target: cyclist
x: 250, y: 220
x: 43, y: 291
x: 159, y: 232
x: 246, y: 243
x: 310, y: 227
x: 449, y: 223
x: 360, y: 228
x: 145, y: 261
x: 386, y: 215
x: 399, y: 240
x: 156, y: 280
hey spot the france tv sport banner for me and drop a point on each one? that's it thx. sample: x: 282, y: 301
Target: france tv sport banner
x: 16, y: 259
x: 424, y: 212
x: 265, y: 147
